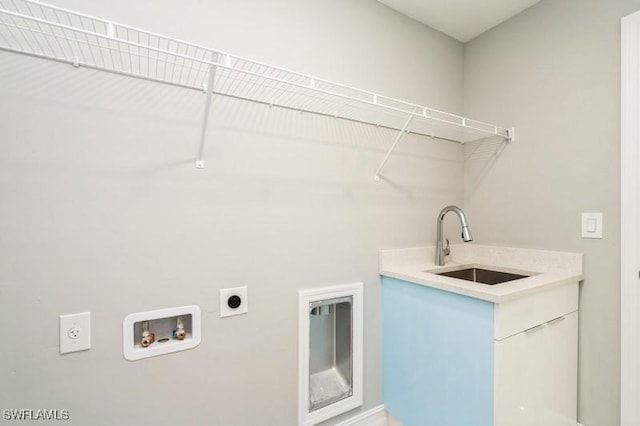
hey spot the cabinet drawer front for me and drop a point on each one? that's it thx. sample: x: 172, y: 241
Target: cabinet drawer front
x: 518, y: 315
x: 536, y: 375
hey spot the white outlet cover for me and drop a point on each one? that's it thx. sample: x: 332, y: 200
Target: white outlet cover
x: 226, y: 293
x: 75, y: 332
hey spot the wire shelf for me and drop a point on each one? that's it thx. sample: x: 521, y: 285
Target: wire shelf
x: 50, y: 32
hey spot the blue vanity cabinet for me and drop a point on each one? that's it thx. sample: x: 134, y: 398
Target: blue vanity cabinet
x: 438, y: 356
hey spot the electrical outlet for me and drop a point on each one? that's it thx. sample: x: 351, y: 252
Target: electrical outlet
x: 234, y: 301
x: 75, y: 332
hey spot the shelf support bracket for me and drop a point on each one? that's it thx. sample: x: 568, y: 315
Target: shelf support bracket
x: 393, y: 146
x: 205, y: 118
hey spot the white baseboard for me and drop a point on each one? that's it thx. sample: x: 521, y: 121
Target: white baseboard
x: 373, y: 417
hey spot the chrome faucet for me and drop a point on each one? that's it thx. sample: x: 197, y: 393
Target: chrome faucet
x: 441, y: 251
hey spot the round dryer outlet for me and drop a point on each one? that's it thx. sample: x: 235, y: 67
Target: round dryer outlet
x: 233, y: 301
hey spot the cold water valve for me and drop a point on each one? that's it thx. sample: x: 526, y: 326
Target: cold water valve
x: 178, y: 332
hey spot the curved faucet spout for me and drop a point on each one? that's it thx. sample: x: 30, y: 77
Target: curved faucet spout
x: 466, y: 232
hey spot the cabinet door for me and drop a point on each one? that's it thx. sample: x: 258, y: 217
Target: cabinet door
x: 536, y: 375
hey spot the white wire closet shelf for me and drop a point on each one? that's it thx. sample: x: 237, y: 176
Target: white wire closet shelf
x: 50, y: 32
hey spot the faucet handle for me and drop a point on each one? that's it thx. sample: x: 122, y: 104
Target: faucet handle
x: 446, y: 250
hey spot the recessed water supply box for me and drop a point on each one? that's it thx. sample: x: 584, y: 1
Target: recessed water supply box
x: 161, y: 331
x: 330, y: 352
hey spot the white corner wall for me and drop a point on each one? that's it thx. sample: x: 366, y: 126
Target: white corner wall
x: 554, y: 73
x: 103, y: 210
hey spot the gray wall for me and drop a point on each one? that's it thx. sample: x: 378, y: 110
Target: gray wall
x: 103, y: 210
x: 554, y: 73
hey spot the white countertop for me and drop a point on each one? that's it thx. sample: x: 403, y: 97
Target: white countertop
x: 548, y: 268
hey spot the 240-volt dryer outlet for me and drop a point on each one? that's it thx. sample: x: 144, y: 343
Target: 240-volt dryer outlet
x: 233, y: 301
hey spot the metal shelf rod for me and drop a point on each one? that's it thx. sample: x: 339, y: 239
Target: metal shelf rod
x: 310, y: 86
x: 116, y: 48
x: 227, y: 95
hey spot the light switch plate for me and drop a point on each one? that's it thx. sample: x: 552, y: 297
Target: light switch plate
x: 75, y: 332
x: 592, y: 225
